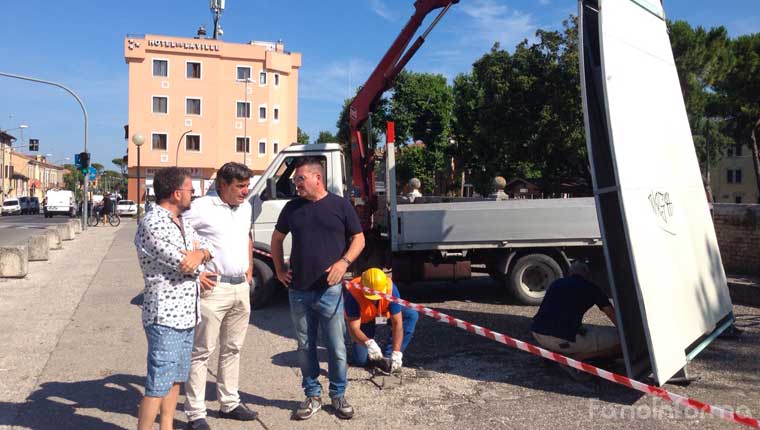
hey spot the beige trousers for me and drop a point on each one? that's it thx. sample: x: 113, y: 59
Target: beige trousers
x: 225, y: 313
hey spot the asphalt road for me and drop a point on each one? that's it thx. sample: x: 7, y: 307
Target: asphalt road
x: 80, y: 363
x: 15, y: 229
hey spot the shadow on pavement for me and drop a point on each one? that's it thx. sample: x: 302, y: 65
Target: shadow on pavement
x: 55, y: 405
x: 252, y: 400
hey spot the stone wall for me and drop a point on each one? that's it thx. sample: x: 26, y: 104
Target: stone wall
x: 738, y: 229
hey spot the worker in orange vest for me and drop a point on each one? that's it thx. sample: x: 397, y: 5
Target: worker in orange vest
x: 364, y: 312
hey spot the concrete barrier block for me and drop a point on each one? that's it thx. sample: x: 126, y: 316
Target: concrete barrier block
x: 14, y: 261
x: 67, y: 231
x: 76, y: 225
x: 54, y: 238
x: 38, y: 247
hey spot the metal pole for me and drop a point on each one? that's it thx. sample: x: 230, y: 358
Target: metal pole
x: 138, y: 183
x: 84, y: 111
x: 245, y: 123
x: 176, y: 155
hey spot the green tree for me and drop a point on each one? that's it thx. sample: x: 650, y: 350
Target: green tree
x: 740, y: 90
x: 98, y: 167
x: 303, y: 138
x: 121, y: 163
x: 417, y: 161
x: 326, y: 137
x: 73, y: 180
x: 703, y: 59
x: 520, y: 114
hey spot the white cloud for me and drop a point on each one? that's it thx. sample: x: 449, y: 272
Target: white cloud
x: 495, y: 22
x: 380, y: 8
x: 334, y: 81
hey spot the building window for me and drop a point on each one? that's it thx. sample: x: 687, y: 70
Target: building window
x: 160, y: 104
x: 193, y: 70
x: 161, y: 68
x: 192, y: 106
x: 243, y: 144
x: 734, y: 176
x: 263, y: 112
x: 243, y: 73
x: 275, y: 147
x: 738, y: 150
x: 737, y: 199
x: 243, y: 109
x: 262, y: 147
x: 262, y: 78
x: 276, y: 79
x: 193, y: 143
x: 276, y: 114
x: 159, y: 142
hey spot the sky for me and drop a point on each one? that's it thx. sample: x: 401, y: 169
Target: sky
x: 80, y: 44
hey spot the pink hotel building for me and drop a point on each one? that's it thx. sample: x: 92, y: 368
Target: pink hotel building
x: 200, y: 103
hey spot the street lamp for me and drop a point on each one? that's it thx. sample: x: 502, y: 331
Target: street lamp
x: 176, y: 155
x: 246, y: 141
x: 138, y: 140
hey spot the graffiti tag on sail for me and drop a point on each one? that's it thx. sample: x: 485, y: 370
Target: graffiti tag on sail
x: 662, y: 206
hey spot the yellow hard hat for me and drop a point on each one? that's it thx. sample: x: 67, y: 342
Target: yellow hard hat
x: 375, y: 278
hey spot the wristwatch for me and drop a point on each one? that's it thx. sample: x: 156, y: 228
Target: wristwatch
x: 346, y: 260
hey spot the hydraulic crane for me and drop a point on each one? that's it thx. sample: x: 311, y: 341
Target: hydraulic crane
x: 382, y: 78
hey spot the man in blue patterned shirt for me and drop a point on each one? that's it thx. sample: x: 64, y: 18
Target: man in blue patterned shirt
x: 171, y: 256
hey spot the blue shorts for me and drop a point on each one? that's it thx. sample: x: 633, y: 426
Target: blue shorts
x: 169, y: 351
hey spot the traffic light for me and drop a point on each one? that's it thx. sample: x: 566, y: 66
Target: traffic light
x: 77, y: 162
x: 34, y: 144
x: 84, y: 162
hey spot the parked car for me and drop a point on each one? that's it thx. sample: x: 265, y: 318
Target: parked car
x: 24, y: 203
x: 59, y: 202
x: 126, y: 207
x: 34, y: 205
x: 11, y: 207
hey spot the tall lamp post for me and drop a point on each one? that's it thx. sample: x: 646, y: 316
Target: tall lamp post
x: 179, y: 142
x: 246, y: 140
x: 138, y: 140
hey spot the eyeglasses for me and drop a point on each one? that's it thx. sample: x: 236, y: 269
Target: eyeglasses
x: 192, y: 190
x: 299, y: 178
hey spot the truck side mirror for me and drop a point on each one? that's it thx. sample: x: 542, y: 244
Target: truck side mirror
x: 270, y: 193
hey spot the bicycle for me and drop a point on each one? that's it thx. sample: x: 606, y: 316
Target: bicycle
x: 113, y: 218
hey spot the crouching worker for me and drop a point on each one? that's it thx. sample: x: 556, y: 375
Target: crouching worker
x: 364, y: 312
x: 558, y: 326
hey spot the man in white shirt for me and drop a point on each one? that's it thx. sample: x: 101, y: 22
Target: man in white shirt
x: 225, y: 221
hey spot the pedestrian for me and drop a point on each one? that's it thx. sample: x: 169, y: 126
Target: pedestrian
x: 107, y: 208
x: 171, y: 254
x: 225, y: 220
x: 557, y: 326
x: 326, y: 238
x: 365, y: 312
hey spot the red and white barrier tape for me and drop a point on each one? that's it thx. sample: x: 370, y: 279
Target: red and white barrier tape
x: 610, y: 376
x: 266, y: 254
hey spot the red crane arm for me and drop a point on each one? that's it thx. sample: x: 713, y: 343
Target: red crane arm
x: 382, y: 78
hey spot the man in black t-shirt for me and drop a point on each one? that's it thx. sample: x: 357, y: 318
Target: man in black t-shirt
x: 107, y: 208
x: 326, y: 238
x: 557, y: 326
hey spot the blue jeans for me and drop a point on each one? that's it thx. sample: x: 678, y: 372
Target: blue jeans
x: 310, y: 311
x: 409, y: 322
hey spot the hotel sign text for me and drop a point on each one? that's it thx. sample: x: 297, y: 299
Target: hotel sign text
x: 183, y: 45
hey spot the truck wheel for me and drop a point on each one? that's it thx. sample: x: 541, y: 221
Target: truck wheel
x: 531, y: 276
x: 265, y: 284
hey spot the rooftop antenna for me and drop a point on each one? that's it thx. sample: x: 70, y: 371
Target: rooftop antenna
x: 217, y: 6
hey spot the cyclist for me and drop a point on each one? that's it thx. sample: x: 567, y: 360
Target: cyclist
x: 107, y: 208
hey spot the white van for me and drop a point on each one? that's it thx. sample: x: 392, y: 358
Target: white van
x: 59, y: 202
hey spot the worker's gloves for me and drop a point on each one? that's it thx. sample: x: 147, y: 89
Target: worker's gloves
x: 373, y: 351
x: 396, y: 361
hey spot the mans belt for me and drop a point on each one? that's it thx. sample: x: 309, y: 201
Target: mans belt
x: 232, y: 279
